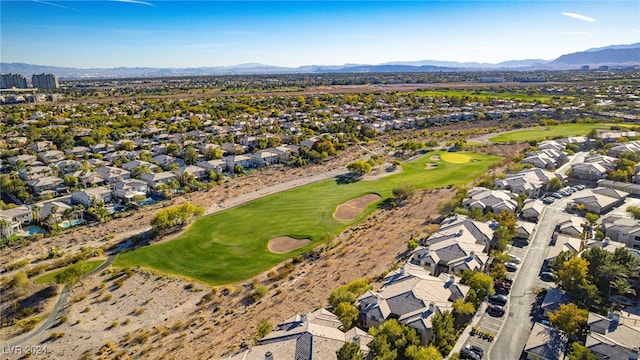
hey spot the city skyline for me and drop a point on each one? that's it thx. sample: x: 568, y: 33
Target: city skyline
x: 132, y: 33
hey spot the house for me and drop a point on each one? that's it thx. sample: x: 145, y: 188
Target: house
x: 245, y: 161
x: 167, y: 161
x: 112, y: 174
x: 22, y: 159
x: 53, y: 210
x: 77, y: 151
x: 218, y: 165
x: 412, y: 296
x: 127, y: 189
x: 589, y: 171
x: 524, y: 229
x: 632, y: 189
x: 197, y: 172
x: 155, y: 179
x: 51, y: 156
x: 34, y: 172
x: 636, y: 174
x: 44, y: 183
x: 551, y: 144
x: 606, y: 244
x: 120, y: 155
x: 631, y: 146
x: 490, y: 200
x: 40, y: 146
x: 552, y: 301
x: 532, y: 182
x: 560, y: 244
x: 570, y: 225
x: 623, y: 230
x: 88, y: 178
x: 134, y: 165
x: 531, y: 209
x: 609, y: 337
x: 265, y: 157
x: 14, y: 219
x: 316, y: 335
x: 65, y: 167
x: 600, y: 201
x: 545, y: 158
x: 545, y: 343
x: 87, y: 197
x: 458, y: 245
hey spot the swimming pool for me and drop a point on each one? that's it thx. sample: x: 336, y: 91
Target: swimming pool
x: 67, y: 223
x: 147, y: 201
x: 32, y: 230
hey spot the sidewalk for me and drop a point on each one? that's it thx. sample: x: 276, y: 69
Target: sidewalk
x: 467, y: 331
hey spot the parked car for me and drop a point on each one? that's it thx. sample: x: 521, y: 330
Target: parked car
x: 498, y: 300
x: 495, y: 310
x: 556, y: 195
x: 511, y: 267
x: 468, y: 354
x: 548, y: 200
x: 547, y: 276
x: 580, y: 187
x: 476, y: 349
x: 515, y: 259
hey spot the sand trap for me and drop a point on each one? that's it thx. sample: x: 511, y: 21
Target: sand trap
x: 352, y: 208
x: 455, y: 158
x: 430, y: 166
x: 385, y: 170
x: 435, y: 157
x: 284, y: 244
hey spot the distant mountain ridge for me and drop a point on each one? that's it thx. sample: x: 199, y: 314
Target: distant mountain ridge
x: 614, y: 55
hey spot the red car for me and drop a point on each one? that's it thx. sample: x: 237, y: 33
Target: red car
x: 495, y: 309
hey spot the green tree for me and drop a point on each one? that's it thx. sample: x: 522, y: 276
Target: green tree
x: 190, y: 156
x: 415, y: 352
x: 634, y: 211
x: 347, y: 313
x: 391, y: 340
x: 71, y: 274
x: 554, y: 184
x: 341, y: 295
x: 349, y: 351
x: 359, y: 167
x: 579, y: 352
x: 19, y: 280
x: 481, y: 284
x: 569, y: 318
x: 262, y: 329
x: 444, y: 332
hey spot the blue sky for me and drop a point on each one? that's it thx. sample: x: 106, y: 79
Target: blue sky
x: 151, y: 33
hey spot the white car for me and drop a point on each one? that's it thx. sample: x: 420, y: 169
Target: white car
x: 515, y: 259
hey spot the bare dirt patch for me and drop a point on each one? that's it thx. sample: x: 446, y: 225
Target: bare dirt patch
x: 435, y: 157
x: 284, y: 244
x: 352, y: 208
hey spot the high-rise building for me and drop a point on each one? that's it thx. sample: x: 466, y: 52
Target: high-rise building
x: 45, y: 81
x: 9, y: 81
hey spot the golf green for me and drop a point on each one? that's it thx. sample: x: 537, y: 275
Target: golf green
x: 230, y: 246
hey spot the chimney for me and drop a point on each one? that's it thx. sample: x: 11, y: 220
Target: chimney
x: 633, y: 354
x: 432, y: 307
x: 268, y: 355
x: 303, y: 317
x: 401, y: 271
x: 378, y: 298
x: 460, y: 232
x: 452, y: 278
x: 356, y: 340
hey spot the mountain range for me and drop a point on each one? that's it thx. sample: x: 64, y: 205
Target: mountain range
x: 611, y: 56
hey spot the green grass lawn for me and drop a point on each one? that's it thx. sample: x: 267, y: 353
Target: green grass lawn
x: 551, y: 132
x: 51, y: 276
x: 232, y: 245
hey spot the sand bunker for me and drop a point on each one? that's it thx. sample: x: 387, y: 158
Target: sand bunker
x: 352, y: 208
x: 430, y: 166
x: 455, y: 158
x: 284, y: 244
x: 435, y: 157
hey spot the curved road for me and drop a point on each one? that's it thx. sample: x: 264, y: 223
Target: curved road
x: 62, y: 301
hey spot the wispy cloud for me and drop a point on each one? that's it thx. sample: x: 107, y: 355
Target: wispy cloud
x: 52, y: 4
x: 635, y: 30
x: 573, y: 33
x: 477, y: 48
x: 135, y: 2
x: 579, y: 17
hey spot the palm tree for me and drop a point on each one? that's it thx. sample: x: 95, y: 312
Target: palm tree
x: 35, y: 210
x: 622, y: 287
x: 54, y: 210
